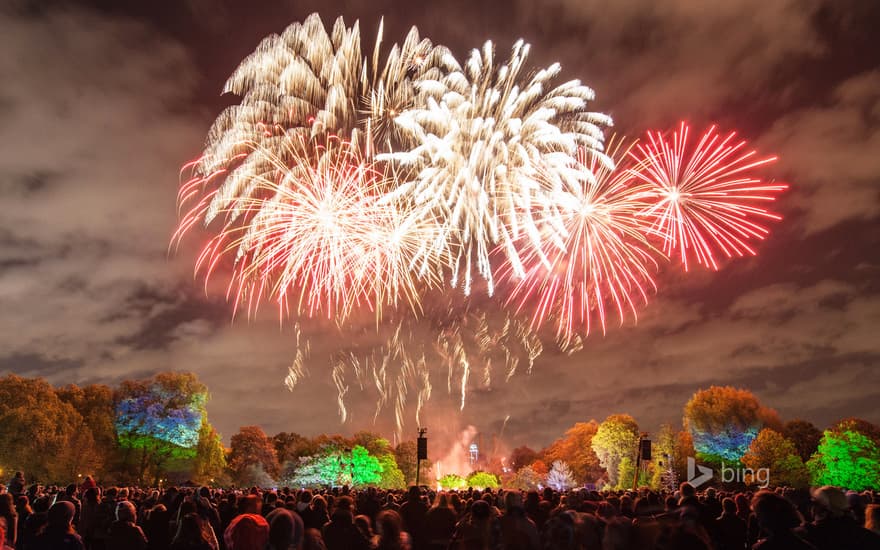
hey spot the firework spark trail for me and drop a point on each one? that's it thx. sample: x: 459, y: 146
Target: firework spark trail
x: 705, y: 198
x: 341, y: 389
x: 606, y: 261
x: 321, y: 238
x: 481, y: 137
x: 424, y: 390
x: 465, y: 373
x: 297, y: 370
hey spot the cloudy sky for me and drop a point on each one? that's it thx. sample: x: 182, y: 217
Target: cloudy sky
x: 102, y: 102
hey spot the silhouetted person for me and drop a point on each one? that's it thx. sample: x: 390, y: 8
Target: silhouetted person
x: 730, y: 530
x: 440, y: 522
x: 192, y: 534
x: 58, y: 533
x: 833, y: 528
x: 340, y: 532
x: 389, y: 532
x: 124, y: 533
x: 413, y: 513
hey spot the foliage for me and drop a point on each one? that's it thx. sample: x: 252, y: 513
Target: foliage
x: 773, y: 451
x: 625, y: 472
x: 616, y: 438
x: 291, y: 446
x: 210, y: 461
x: 575, y: 448
x: 365, y: 468
x: 158, y: 421
x: 95, y: 404
x: 540, y: 468
x: 250, y: 446
x: 452, y: 482
x: 560, y: 476
x: 38, y: 431
x: 392, y: 476
x: 522, y: 457
x: 334, y: 468
x: 405, y: 454
x: 526, y: 479
x: 723, y: 421
x: 846, y: 458
x: 804, y: 435
x: 482, y: 480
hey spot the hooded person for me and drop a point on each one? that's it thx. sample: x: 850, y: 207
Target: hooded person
x: 247, y: 532
x: 285, y: 530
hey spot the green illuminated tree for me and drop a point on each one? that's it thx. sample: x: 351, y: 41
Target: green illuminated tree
x: 617, y: 438
x: 365, y: 468
x: 846, y: 458
x: 452, y: 482
x: 482, y: 480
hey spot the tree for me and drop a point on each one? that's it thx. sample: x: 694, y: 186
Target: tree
x: 522, y: 457
x: 392, y: 477
x: 575, y: 449
x: 95, y: 448
x: 723, y: 421
x: 804, y: 435
x: 846, y: 458
x: 540, y: 468
x: 771, y: 450
x: 291, y: 446
x: 560, y: 476
x: 251, y: 446
x: 625, y: 472
x: 365, y: 468
x: 158, y: 422
x: 209, y: 464
x: 38, y: 431
x: 526, y: 479
x: 405, y: 455
x: 452, y: 482
x: 617, y: 438
x: 482, y: 480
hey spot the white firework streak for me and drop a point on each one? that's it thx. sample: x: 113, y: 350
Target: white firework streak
x: 425, y: 389
x: 493, y: 156
x: 297, y: 370
x: 341, y: 388
x: 465, y: 373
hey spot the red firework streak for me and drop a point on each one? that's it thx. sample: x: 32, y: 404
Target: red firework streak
x: 705, y: 198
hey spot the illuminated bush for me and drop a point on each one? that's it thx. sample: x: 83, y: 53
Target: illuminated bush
x: 846, y: 458
x: 482, y: 480
x: 452, y: 482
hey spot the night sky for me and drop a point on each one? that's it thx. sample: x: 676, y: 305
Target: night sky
x: 102, y: 102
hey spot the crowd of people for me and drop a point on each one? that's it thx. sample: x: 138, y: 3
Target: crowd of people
x: 87, y: 516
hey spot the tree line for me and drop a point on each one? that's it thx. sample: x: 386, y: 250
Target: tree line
x: 156, y: 430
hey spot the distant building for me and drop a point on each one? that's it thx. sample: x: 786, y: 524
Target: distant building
x: 474, y: 455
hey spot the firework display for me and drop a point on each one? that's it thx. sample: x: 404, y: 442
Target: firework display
x: 343, y: 182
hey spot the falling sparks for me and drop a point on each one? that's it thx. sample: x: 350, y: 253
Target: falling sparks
x: 348, y: 184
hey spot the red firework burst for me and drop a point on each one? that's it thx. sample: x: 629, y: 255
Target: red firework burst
x: 705, y: 198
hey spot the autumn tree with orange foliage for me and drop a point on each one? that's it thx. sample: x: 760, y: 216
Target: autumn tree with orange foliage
x: 575, y: 448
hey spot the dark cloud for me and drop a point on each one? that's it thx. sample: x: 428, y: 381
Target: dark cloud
x: 107, y: 105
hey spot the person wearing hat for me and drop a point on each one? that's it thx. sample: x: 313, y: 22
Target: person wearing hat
x: 58, y: 534
x: 833, y: 526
